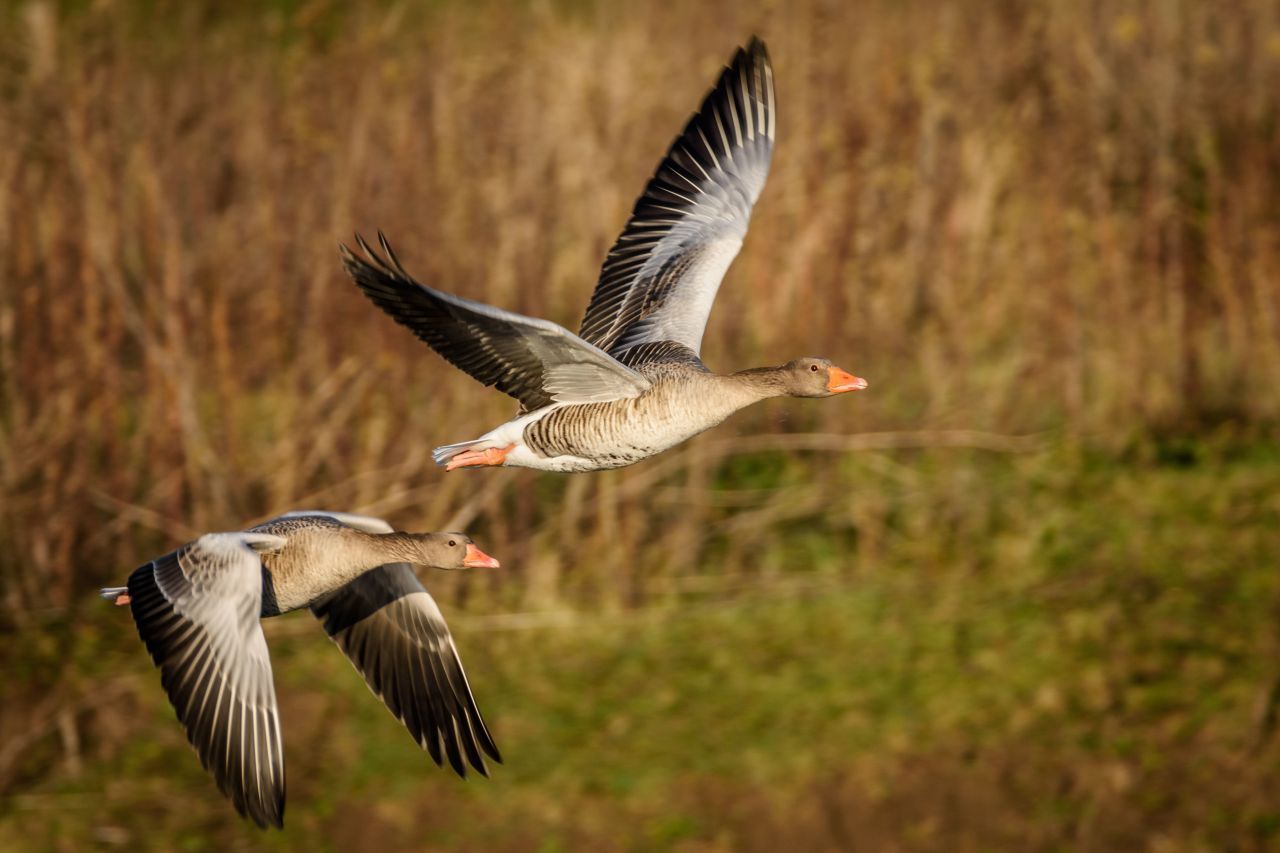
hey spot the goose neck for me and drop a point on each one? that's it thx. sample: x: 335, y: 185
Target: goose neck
x: 760, y: 383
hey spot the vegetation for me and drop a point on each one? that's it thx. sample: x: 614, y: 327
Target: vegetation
x: 1019, y: 594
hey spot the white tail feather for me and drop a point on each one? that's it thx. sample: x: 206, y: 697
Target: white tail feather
x: 441, y: 455
x: 111, y: 593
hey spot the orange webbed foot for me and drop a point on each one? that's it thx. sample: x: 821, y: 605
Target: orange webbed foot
x: 480, y: 458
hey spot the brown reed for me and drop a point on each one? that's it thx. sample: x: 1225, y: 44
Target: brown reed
x: 1010, y: 217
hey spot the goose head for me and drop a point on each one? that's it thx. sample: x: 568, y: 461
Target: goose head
x: 451, y: 551
x: 817, y: 377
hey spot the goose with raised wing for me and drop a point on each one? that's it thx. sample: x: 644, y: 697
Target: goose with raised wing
x: 198, y: 611
x: 631, y: 383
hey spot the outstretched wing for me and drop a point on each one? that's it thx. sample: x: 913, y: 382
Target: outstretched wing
x: 535, y: 361
x: 197, y: 612
x: 393, y: 632
x: 660, y: 279
x: 390, y: 628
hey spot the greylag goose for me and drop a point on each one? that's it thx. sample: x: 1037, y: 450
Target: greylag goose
x: 198, y: 609
x: 631, y: 383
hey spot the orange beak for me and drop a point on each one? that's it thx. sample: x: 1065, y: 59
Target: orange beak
x: 477, y: 559
x: 839, y: 381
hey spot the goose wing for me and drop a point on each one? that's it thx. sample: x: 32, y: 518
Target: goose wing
x: 367, y: 523
x: 390, y: 628
x: 535, y: 361
x: 660, y: 279
x: 197, y: 610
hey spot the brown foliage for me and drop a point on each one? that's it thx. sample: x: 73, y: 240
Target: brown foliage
x: 1010, y: 217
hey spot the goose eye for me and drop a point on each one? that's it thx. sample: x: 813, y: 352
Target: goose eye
x: 814, y: 368
x: 452, y: 543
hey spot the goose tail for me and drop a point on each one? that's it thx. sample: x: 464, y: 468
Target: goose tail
x: 442, y: 454
x: 113, y: 594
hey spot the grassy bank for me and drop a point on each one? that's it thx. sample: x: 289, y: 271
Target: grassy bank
x: 1084, y: 656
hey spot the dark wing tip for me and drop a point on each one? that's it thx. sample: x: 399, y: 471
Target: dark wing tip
x: 755, y: 56
x: 383, y: 279
x: 369, y: 259
x: 385, y: 261
x: 390, y: 254
x: 271, y: 811
x: 266, y: 814
x: 410, y: 662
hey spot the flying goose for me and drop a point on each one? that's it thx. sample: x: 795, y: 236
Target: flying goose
x: 198, y: 609
x: 631, y: 383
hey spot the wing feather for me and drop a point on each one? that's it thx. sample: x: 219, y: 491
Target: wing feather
x: 521, y: 356
x: 660, y: 279
x: 393, y: 632
x: 197, y: 612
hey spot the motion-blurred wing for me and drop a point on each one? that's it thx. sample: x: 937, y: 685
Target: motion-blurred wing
x: 197, y: 611
x: 535, y: 361
x: 660, y: 279
x: 367, y: 523
x: 392, y: 631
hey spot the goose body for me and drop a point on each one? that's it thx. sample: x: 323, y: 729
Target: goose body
x: 593, y: 436
x: 631, y: 383
x: 198, y: 608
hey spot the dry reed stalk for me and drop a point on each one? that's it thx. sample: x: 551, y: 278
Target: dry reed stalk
x: 1012, y: 220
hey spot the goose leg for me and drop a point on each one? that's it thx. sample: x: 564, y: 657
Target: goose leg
x: 480, y: 458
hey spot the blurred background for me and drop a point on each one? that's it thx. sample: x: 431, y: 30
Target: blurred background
x: 1020, y: 594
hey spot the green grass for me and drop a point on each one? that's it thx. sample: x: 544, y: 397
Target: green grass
x: 1078, y: 653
